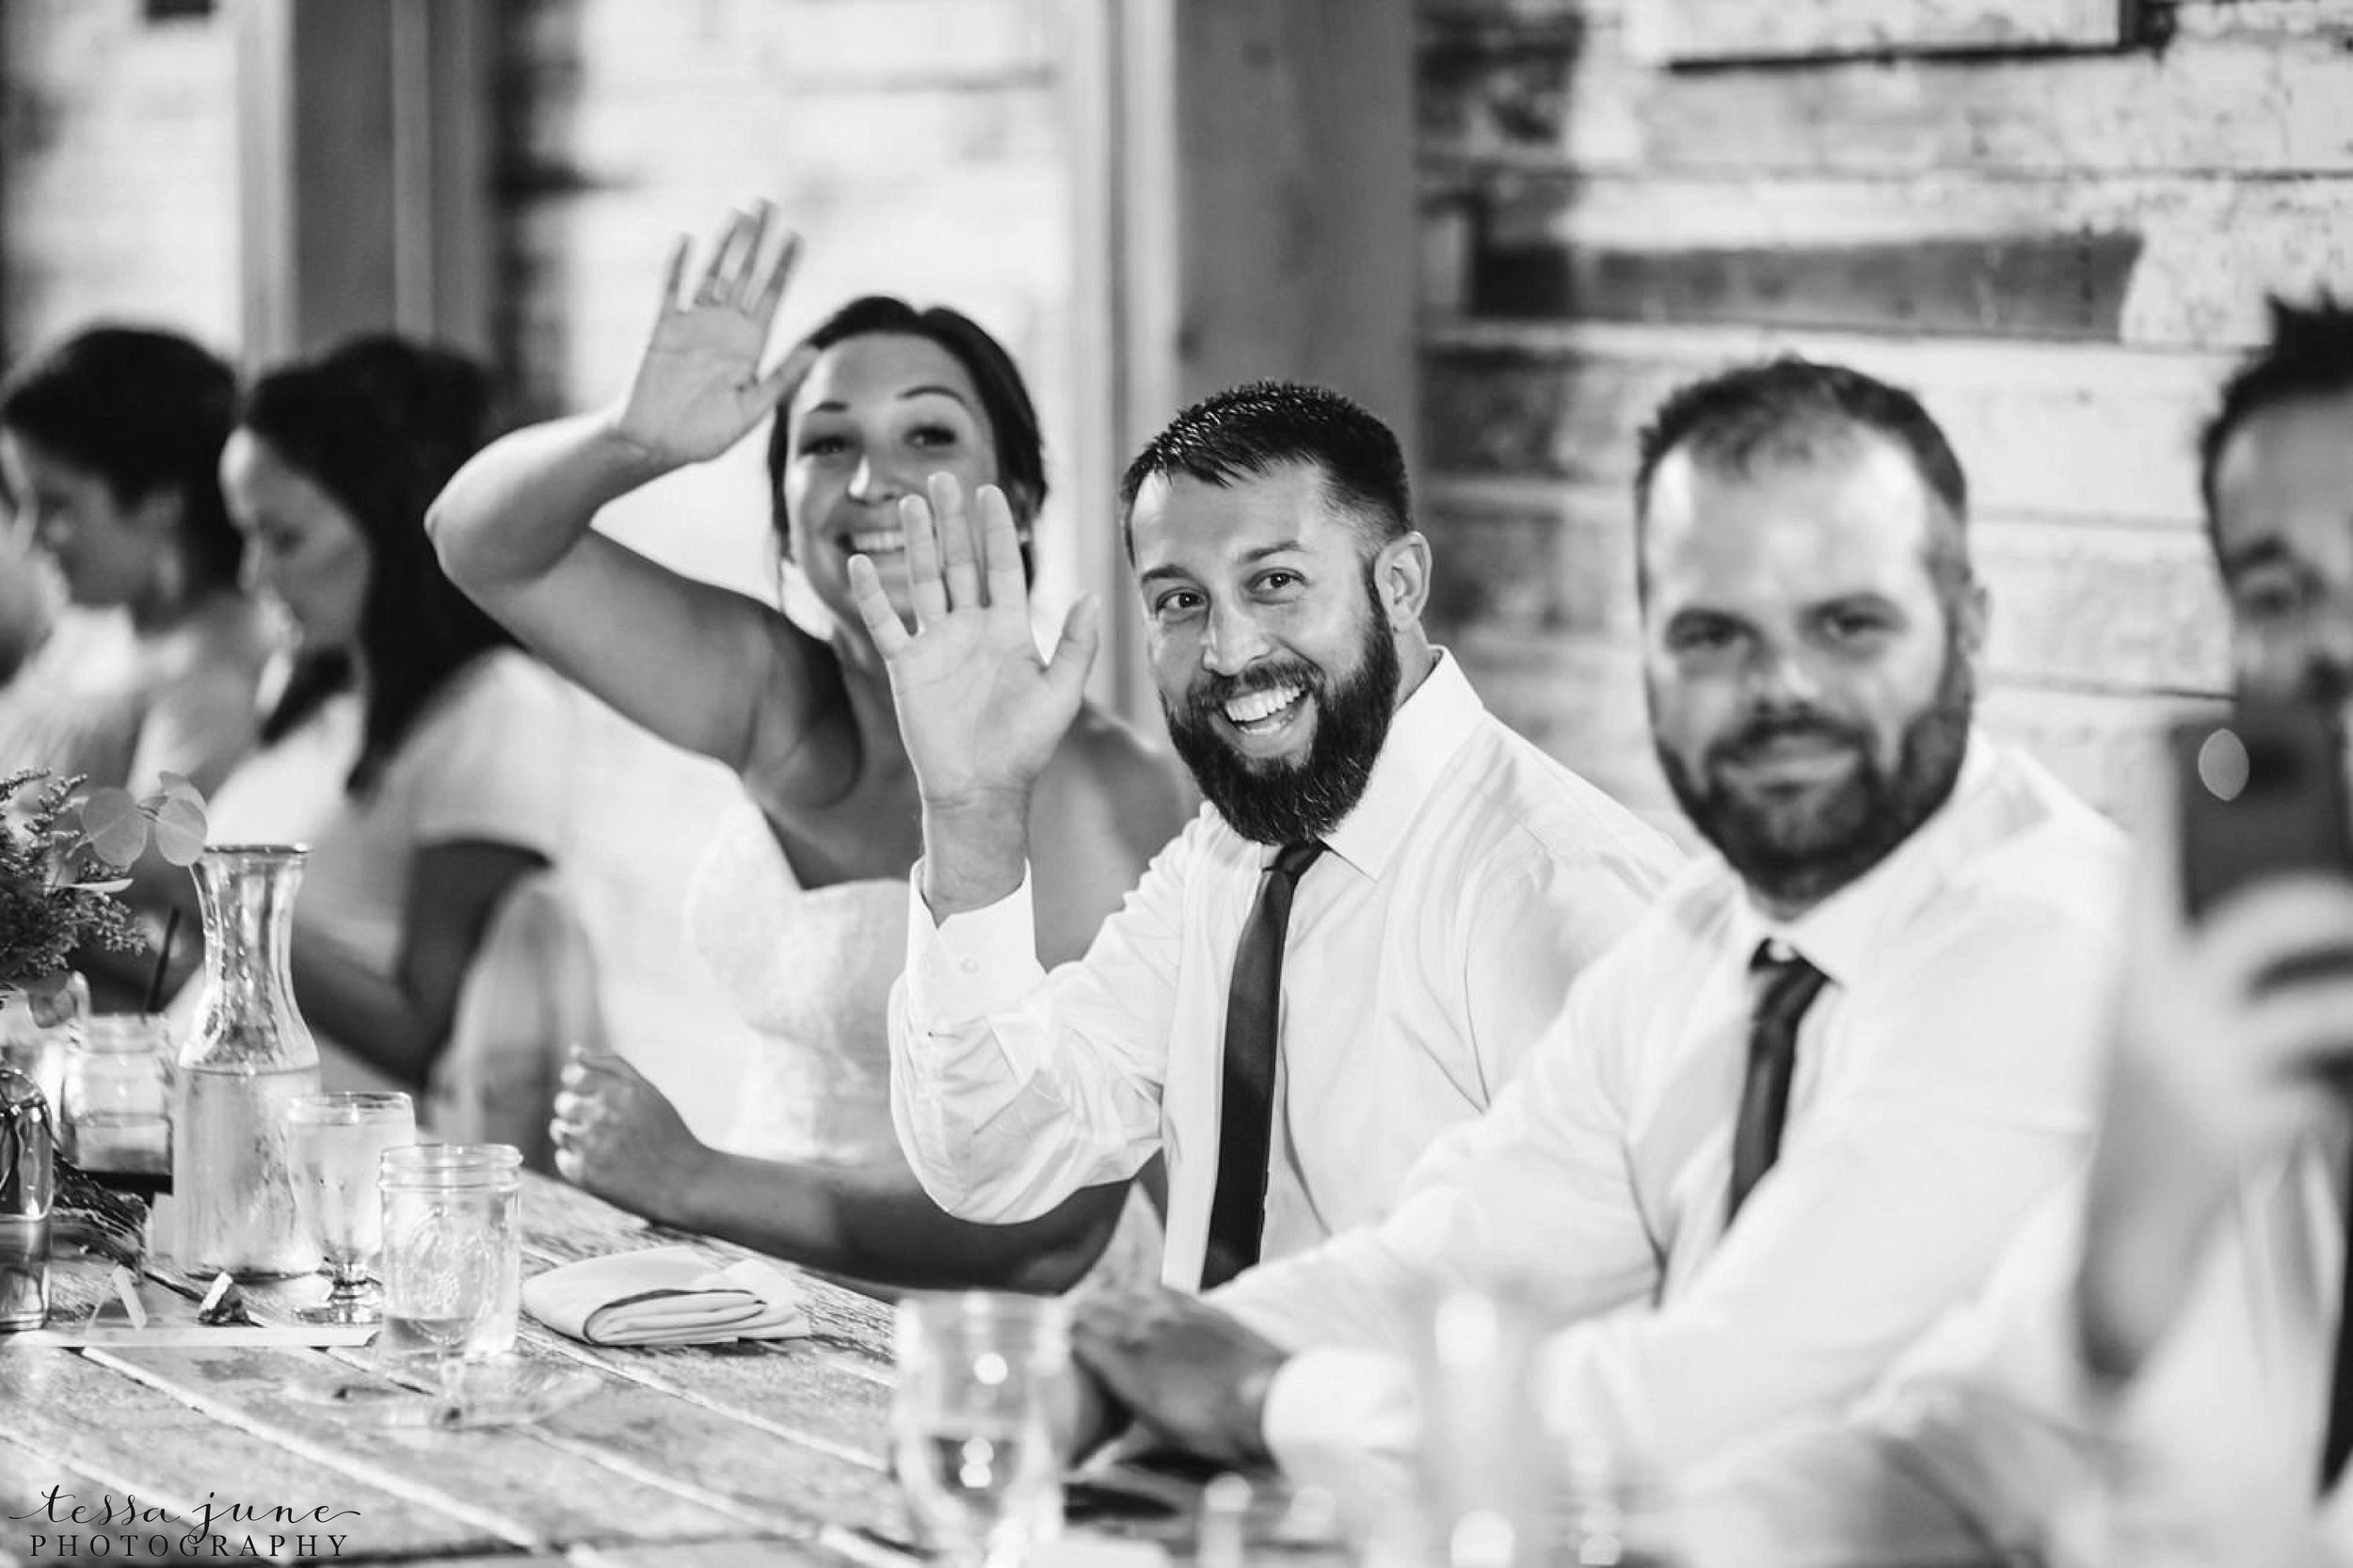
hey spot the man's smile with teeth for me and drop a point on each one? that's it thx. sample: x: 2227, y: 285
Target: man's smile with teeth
x: 1260, y: 708
x: 877, y: 541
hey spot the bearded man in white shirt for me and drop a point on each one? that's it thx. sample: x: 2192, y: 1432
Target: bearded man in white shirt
x: 1346, y: 952
x: 2161, y: 1372
x: 1899, y: 950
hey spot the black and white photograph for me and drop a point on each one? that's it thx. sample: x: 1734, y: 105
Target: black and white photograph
x: 1176, y: 783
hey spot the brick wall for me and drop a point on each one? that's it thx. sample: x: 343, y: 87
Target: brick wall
x: 119, y: 199
x: 2059, y: 253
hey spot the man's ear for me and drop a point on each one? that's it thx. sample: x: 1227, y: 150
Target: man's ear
x: 1975, y: 610
x: 1400, y: 578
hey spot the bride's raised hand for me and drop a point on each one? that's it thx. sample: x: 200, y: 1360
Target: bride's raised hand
x: 698, y: 388
x: 981, y: 713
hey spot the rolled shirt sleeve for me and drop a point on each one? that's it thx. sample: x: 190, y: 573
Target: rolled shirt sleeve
x: 1012, y: 1088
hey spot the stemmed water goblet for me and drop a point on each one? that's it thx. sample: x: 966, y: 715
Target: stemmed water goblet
x: 985, y: 1388
x: 335, y: 1142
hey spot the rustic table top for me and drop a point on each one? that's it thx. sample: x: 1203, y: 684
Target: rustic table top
x: 770, y: 1452
x: 701, y: 1457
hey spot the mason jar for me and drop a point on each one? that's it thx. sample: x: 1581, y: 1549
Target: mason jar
x: 115, y: 1110
x: 453, y: 1250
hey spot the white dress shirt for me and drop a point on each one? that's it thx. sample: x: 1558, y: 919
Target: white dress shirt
x: 1992, y: 1436
x: 1944, y: 1083
x: 1426, y: 950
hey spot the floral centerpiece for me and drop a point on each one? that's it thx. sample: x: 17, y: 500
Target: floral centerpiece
x: 64, y: 856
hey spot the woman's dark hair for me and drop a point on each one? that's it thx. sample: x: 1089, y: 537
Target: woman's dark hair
x: 146, y: 411
x: 381, y: 424
x: 1004, y: 399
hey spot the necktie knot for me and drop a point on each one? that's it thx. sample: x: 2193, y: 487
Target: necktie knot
x: 1292, y: 860
x: 1788, y: 985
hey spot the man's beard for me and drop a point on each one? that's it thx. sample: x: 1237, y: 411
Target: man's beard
x: 1800, y: 852
x: 1276, y: 801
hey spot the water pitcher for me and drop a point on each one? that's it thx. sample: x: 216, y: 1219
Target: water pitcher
x: 246, y: 1056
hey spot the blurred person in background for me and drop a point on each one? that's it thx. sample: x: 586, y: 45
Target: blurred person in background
x: 2162, y: 1371
x: 418, y: 752
x: 800, y: 909
x: 110, y: 449
x: 28, y: 600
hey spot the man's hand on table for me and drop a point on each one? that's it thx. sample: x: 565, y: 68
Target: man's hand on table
x: 1194, y: 1376
x: 618, y: 1137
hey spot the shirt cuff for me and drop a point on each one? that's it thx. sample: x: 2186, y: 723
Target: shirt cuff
x: 1330, y: 1411
x: 968, y: 964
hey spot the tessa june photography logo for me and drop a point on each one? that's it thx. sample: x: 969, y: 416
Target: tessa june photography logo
x: 68, y: 1526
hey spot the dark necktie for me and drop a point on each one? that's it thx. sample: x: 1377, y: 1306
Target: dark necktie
x: 2339, y: 1443
x: 1254, y: 1006
x: 1786, y: 986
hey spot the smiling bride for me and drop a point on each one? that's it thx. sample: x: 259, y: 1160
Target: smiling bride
x: 801, y: 912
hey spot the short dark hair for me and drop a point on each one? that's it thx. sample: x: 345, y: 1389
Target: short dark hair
x: 1004, y: 396
x: 147, y: 412
x: 1783, y: 408
x: 2309, y: 355
x: 382, y: 423
x: 1252, y: 430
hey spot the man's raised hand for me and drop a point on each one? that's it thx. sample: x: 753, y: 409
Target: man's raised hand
x: 981, y: 713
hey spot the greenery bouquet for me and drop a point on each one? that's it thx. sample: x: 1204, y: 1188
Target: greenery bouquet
x: 64, y: 856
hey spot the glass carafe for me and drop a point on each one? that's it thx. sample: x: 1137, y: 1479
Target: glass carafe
x: 248, y: 1055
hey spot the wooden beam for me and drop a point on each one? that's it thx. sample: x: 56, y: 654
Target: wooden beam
x: 1298, y: 235
x: 2055, y: 431
x: 1260, y: 220
x: 1577, y: 100
x: 2207, y: 247
x: 364, y: 150
x: 1684, y: 32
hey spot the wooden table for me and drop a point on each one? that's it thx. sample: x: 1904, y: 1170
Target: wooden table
x: 701, y: 1457
x: 708, y: 1455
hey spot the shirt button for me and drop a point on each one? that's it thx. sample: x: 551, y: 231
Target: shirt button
x: 971, y: 966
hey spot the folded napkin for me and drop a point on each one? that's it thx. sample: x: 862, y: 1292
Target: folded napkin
x: 666, y: 1296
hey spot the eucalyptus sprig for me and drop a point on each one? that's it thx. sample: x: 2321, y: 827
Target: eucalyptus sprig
x: 64, y: 857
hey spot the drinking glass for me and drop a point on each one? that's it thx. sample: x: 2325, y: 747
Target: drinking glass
x: 114, y: 1114
x: 984, y: 1382
x: 334, y: 1144
x: 1498, y: 1489
x: 453, y: 1258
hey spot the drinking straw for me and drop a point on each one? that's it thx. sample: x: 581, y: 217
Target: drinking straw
x: 163, y: 961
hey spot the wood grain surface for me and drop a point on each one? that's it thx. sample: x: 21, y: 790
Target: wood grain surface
x: 771, y: 1452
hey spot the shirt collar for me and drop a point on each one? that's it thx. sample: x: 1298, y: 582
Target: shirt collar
x: 1836, y: 935
x: 1424, y: 734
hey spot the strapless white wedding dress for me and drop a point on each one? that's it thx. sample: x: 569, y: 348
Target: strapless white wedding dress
x: 810, y: 969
